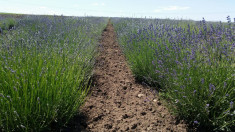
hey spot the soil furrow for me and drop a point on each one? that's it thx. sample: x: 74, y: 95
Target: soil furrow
x: 117, y: 102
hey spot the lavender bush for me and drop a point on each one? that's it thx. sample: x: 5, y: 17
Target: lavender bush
x: 7, y: 24
x: 45, y: 67
x: 193, y: 63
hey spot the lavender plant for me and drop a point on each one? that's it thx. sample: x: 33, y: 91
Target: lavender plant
x: 7, y: 24
x: 45, y: 67
x: 191, y: 62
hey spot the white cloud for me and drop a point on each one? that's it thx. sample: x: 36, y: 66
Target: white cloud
x: 171, y: 8
x: 98, y: 4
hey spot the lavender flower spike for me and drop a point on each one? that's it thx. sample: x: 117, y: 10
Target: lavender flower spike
x: 195, y: 122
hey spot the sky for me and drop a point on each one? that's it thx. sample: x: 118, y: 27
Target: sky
x: 211, y: 10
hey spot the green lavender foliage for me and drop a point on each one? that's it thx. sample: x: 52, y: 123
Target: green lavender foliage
x: 45, y: 67
x: 193, y: 64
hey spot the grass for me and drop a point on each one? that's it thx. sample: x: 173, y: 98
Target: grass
x: 191, y: 62
x: 45, y: 67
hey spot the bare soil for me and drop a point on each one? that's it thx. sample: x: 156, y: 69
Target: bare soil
x: 117, y: 102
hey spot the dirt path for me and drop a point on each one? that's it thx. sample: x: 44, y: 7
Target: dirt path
x: 117, y: 102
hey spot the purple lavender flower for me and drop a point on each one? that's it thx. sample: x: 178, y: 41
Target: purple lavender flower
x: 177, y: 62
x: 160, y: 62
x: 195, y: 122
x: 153, y: 63
x: 225, y: 84
x: 211, y: 88
x: 38, y: 99
x: 146, y: 99
x: 229, y: 19
x: 15, y: 88
x: 157, y: 71
x: 202, y: 80
x: 231, y: 104
x: 226, y: 112
x: 12, y: 70
x: 204, y: 24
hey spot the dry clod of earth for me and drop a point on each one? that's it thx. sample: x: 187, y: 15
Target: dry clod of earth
x: 117, y: 102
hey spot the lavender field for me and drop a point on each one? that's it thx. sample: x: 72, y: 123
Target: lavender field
x: 45, y: 66
x: 47, y: 63
x: 191, y: 64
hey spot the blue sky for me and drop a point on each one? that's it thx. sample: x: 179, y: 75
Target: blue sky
x: 211, y: 10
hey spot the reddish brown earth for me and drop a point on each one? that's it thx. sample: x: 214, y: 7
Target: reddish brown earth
x: 117, y: 102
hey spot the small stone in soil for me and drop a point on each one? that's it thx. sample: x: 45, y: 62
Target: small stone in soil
x: 91, y: 126
x: 140, y: 95
x: 149, y: 128
x: 155, y: 100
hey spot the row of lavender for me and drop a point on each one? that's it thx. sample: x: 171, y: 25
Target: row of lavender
x: 192, y: 63
x: 45, y: 67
